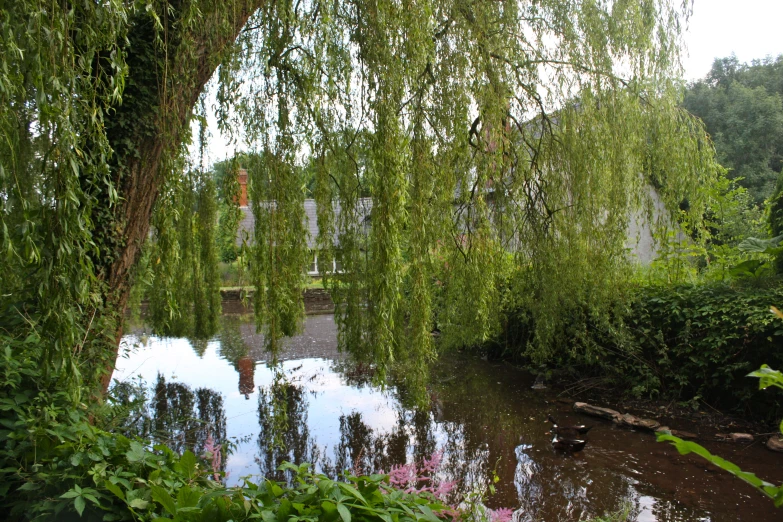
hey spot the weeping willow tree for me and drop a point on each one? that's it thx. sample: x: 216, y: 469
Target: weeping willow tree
x: 459, y: 146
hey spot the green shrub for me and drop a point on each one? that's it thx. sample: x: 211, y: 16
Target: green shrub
x: 673, y: 341
x: 776, y: 218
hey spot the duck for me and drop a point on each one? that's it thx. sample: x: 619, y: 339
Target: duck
x: 570, y: 432
x: 567, y: 444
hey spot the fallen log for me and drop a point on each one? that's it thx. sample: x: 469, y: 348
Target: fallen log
x: 596, y: 411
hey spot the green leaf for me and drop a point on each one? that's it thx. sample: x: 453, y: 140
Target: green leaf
x: 768, y: 377
x: 325, y: 485
x: 685, y: 447
x: 79, y: 504
x: 428, y: 514
x: 344, y: 513
x: 114, y: 488
x: 136, y: 453
x: 287, y: 466
x: 187, y: 464
x: 748, y: 268
x: 352, y: 491
x: 162, y: 496
x: 761, y: 246
x: 187, y: 497
x: 138, y: 503
x: 76, y: 459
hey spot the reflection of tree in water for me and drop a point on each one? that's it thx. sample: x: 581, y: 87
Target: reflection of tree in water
x: 199, y: 346
x: 363, y: 450
x: 130, y: 415
x: 184, y: 419
x: 175, y: 414
x: 232, y: 346
x: 356, y: 373
x: 284, y: 436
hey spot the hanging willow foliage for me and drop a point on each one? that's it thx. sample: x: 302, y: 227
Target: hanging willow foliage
x: 467, y: 154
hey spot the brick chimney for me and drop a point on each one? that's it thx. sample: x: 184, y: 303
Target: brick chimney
x: 242, y: 178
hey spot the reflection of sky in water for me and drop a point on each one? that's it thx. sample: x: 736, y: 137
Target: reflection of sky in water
x: 328, y: 396
x: 482, y: 416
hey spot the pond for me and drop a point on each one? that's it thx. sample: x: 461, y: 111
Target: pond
x: 483, y: 419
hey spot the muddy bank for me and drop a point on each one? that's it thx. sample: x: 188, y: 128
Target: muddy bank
x: 635, y: 422
x: 691, y: 420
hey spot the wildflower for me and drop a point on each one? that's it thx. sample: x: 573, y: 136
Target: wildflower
x: 212, y: 451
x: 443, y: 489
x: 501, y: 515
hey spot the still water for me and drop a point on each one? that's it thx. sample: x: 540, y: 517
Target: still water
x: 483, y: 418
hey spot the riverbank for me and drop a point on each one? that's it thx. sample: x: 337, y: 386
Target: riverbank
x: 693, y: 420
x: 316, y: 299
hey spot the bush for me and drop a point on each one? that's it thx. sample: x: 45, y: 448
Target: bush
x: 673, y: 341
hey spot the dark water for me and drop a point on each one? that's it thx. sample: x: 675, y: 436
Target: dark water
x: 483, y: 417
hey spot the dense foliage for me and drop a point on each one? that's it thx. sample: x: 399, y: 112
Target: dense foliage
x: 688, y: 342
x: 689, y: 326
x: 742, y: 107
x: 489, y: 135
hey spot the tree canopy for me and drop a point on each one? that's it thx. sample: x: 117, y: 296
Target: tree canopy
x: 742, y: 107
x: 503, y: 145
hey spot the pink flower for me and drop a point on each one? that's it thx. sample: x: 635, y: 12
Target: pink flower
x: 443, y: 489
x: 212, y: 451
x: 501, y: 515
x: 413, y: 478
x: 432, y: 464
x: 418, y: 479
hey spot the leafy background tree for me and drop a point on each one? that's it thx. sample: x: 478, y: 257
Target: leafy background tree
x: 742, y: 108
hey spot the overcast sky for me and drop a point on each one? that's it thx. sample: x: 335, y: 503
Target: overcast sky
x: 748, y: 28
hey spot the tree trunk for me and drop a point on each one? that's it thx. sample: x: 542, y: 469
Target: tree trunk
x: 146, y: 131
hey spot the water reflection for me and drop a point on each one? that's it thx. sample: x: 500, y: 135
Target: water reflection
x: 174, y: 415
x: 184, y: 419
x: 247, y: 370
x: 234, y: 349
x: 319, y: 407
x: 285, y: 431
x: 364, y: 450
x: 232, y: 345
